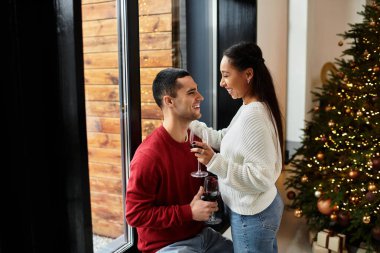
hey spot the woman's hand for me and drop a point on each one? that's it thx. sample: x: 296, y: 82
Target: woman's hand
x: 203, y: 152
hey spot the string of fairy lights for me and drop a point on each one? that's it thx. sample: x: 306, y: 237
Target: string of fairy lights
x: 339, y: 161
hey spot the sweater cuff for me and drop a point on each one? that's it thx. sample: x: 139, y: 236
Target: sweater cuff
x: 186, y: 211
x: 211, y: 161
x: 216, y: 166
x: 196, y: 126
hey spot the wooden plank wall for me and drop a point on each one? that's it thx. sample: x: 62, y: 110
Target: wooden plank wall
x: 100, y: 47
x: 156, y: 47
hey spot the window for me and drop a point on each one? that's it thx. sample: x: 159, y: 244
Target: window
x: 100, y: 48
x: 111, y: 100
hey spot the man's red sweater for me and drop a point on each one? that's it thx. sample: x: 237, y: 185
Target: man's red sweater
x: 159, y: 192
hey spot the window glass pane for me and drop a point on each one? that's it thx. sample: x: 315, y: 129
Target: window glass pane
x: 100, y: 48
x: 160, y: 48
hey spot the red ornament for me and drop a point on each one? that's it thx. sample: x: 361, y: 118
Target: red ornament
x: 343, y: 218
x: 324, y: 206
x: 291, y: 195
x: 340, y: 74
x: 376, y: 163
x: 376, y: 233
x: 370, y: 196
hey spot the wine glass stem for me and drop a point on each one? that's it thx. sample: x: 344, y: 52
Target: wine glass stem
x: 199, y: 166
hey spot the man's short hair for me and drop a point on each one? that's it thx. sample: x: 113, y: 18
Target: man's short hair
x: 166, y: 83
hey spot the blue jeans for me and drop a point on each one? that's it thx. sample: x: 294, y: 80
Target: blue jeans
x: 257, y: 233
x: 208, y: 241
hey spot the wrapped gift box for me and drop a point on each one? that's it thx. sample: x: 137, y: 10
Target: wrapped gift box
x: 319, y: 249
x: 337, y: 243
x: 323, y: 238
x: 333, y: 242
x: 361, y: 249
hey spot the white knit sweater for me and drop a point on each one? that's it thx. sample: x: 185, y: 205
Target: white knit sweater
x: 249, y: 161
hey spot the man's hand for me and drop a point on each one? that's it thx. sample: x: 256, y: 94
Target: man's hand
x: 200, y: 209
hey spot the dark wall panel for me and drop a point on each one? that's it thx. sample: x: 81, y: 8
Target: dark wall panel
x: 237, y: 21
x: 199, y: 51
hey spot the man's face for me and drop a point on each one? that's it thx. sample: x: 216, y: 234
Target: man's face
x: 187, y: 103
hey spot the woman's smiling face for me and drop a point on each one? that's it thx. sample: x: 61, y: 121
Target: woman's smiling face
x: 236, y: 82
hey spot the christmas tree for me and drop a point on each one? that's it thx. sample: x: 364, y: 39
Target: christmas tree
x: 334, y: 178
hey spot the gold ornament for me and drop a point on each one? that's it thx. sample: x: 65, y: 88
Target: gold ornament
x: 333, y: 216
x: 320, y: 156
x: 348, y: 110
x: 376, y: 68
x: 359, y: 113
x: 353, y: 174
x: 340, y: 43
x: 317, y: 193
x: 372, y: 23
x: 328, y: 108
x: 331, y: 123
x: 298, y: 213
x: 366, y: 219
x: 304, y: 179
x: 372, y: 187
x: 354, y: 199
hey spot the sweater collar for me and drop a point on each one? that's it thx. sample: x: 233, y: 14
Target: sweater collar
x: 171, y: 141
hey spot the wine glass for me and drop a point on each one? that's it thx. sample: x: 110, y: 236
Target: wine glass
x: 211, y: 193
x: 199, y: 172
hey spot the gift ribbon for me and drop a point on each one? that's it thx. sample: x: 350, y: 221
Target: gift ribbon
x: 340, y: 243
x: 329, y: 233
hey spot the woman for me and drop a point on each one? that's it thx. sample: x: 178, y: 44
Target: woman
x: 250, y: 158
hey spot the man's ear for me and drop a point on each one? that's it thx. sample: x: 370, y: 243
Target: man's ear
x: 168, y: 101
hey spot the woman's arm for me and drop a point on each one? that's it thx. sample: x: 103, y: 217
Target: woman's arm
x: 214, y: 136
x: 255, y: 163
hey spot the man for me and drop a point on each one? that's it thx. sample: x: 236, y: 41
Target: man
x: 163, y: 199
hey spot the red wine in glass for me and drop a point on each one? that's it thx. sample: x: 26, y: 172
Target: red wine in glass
x: 211, y: 188
x: 210, y: 196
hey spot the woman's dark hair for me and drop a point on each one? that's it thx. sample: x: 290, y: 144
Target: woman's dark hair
x: 166, y: 83
x: 245, y: 55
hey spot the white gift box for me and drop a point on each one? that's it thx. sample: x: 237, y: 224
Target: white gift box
x: 337, y: 243
x: 319, y: 249
x: 323, y: 238
x: 334, y: 243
